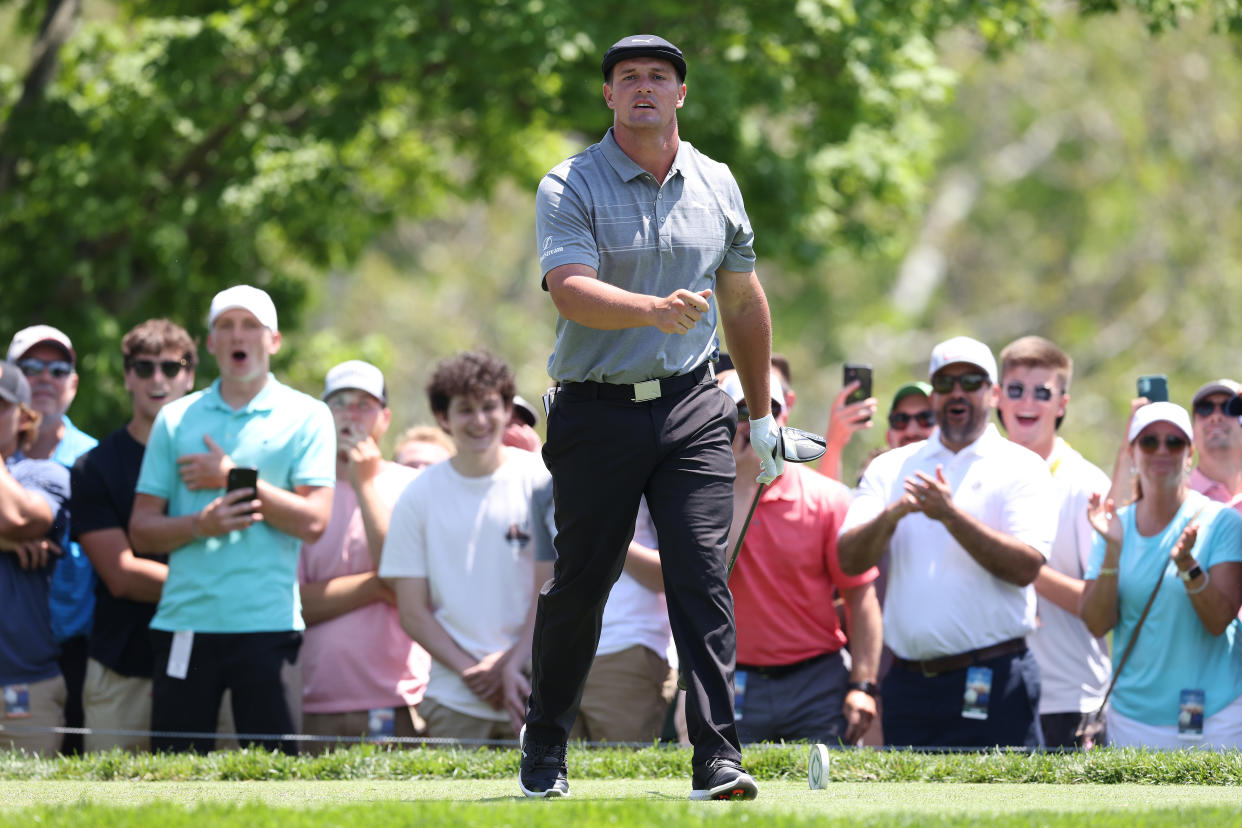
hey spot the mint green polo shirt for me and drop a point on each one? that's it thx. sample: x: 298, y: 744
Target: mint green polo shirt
x: 245, y: 581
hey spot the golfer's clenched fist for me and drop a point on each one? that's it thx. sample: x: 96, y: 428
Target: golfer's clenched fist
x: 678, y: 312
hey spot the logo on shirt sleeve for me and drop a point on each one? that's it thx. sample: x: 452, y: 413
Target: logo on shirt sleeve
x: 546, y: 252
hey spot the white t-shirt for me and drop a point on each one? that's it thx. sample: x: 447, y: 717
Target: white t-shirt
x: 939, y: 601
x: 1073, y: 664
x: 471, y: 538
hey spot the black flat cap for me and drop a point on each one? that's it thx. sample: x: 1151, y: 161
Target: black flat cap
x: 644, y: 45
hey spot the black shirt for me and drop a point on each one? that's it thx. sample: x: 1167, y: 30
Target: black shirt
x: 102, y: 497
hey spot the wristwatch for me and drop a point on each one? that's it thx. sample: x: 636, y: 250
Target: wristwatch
x: 869, y: 687
x: 1190, y: 574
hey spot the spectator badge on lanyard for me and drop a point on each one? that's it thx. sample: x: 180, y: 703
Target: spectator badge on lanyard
x: 1190, y: 716
x: 17, y: 701
x: 381, y: 724
x: 978, y: 693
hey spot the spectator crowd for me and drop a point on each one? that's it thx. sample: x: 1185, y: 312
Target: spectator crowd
x: 241, y: 561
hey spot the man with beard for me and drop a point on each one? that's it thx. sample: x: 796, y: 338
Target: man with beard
x: 967, y: 519
x: 1218, y: 438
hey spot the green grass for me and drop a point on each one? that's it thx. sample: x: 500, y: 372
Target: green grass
x: 366, y: 785
x: 617, y: 803
x: 778, y: 762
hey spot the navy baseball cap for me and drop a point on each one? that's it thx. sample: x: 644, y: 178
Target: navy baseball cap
x: 644, y: 45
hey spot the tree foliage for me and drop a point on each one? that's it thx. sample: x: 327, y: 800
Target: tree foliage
x: 182, y: 145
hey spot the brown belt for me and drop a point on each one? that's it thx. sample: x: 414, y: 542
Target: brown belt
x: 947, y: 664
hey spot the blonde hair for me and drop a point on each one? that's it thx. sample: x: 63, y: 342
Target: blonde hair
x: 426, y: 434
x: 28, y: 431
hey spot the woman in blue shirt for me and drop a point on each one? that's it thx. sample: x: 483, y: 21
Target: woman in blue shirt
x: 1182, y: 683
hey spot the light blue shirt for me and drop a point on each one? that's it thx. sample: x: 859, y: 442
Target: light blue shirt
x: 1174, y: 651
x: 71, y: 596
x: 245, y: 581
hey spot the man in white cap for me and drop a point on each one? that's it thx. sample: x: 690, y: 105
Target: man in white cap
x: 229, y: 614
x: 967, y: 519
x: 794, y: 680
x: 361, y: 672
x: 47, y: 358
x: 1218, y: 439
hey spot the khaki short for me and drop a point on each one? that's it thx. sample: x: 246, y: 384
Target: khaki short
x: 446, y: 723
x: 406, y: 723
x: 116, y: 702
x: 626, y: 697
x: 47, y: 710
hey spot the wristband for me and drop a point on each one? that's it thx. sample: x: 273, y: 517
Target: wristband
x: 1112, y: 570
x: 869, y: 687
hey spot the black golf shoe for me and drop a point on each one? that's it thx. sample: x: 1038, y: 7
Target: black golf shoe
x: 723, y: 779
x: 543, y: 772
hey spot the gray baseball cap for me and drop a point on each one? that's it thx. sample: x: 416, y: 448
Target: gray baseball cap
x: 13, y: 384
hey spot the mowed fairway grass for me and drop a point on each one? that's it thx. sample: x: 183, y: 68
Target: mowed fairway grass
x: 365, y: 786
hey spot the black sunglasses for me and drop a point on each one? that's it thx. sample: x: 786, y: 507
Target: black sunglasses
x: 145, y: 368
x: 743, y: 411
x: 943, y: 383
x: 1016, y: 390
x: 1204, y: 408
x: 32, y: 367
x: 1150, y: 442
x: 900, y: 420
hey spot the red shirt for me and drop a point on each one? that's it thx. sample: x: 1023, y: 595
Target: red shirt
x: 783, y: 583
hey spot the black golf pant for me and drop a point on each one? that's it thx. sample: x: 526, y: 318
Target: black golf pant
x: 260, y: 668
x: 604, y: 453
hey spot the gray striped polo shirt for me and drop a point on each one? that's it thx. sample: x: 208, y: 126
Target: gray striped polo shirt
x: 601, y: 209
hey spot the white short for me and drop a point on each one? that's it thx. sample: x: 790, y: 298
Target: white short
x: 1221, y: 731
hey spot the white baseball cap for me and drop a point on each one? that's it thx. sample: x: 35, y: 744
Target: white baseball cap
x: 358, y: 375
x: 525, y: 410
x: 732, y: 385
x: 27, y: 338
x: 1156, y: 412
x: 963, y: 349
x: 247, y: 298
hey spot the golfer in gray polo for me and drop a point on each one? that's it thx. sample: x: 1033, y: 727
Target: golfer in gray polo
x: 646, y: 249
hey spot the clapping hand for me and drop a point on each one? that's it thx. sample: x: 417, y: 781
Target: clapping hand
x: 1102, y: 515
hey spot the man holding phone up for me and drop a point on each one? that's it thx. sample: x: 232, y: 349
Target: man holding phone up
x: 967, y: 519
x: 229, y: 615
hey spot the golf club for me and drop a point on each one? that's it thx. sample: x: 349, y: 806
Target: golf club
x: 795, y: 446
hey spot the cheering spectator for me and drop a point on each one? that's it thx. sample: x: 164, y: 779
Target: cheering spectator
x: 1181, y: 683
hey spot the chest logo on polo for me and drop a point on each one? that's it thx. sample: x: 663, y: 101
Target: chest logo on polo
x: 517, y: 535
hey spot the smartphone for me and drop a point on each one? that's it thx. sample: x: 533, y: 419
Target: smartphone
x: 243, y: 478
x: 859, y: 372
x: 1155, y: 387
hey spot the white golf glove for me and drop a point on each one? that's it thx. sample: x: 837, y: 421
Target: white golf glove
x: 764, y: 436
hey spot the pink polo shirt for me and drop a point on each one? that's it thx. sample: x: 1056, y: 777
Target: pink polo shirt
x: 363, y: 659
x: 1213, y: 490
x: 783, y: 583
